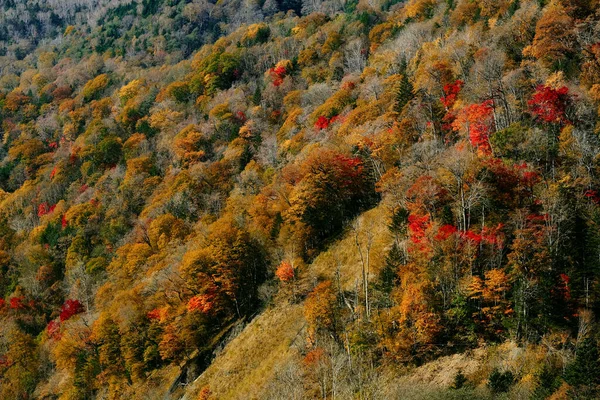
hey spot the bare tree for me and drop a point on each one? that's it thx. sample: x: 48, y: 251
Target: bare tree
x: 355, y: 58
x: 462, y: 185
x: 364, y: 242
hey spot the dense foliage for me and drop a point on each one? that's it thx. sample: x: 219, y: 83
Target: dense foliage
x: 170, y: 169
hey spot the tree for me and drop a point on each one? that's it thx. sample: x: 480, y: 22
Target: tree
x: 19, y: 370
x: 500, y: 382
x: 489, y: 68
x: 130, y: 90
x: 419, y: 8
x: 164, y: 229
x: 94, y: 87
x: 403, y: 94
x: 178, y: 91
x: 534, y: 258
x: 554, y: 42
x: 476, y: 120
x: 550, y: 105
x: 106, y: 334
x: 451, y: 91
x: 321, y: 311
x: 70, y: 308
x: 491, y: 293
x: 205, y: 303
x: 333, y: 188
x: 459, y: 380
x: 191, y: 145
x: 411, y: 333
x: 228, y: 271
x: 172, y: 347
x: 15, y: 100
x: 285, y: 272
x: 365, y: 259
x: 107, y: 153
x: 459, y: 177
x: 584, y: 372
x: 279, y: 72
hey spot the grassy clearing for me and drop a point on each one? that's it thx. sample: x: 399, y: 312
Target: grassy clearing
x: 248, y: 363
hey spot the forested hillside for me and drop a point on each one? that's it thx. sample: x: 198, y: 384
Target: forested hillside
x: 299, y: 199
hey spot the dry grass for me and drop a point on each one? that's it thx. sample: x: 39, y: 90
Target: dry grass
x: 441, y: 372
x: 343, y: 254
x: 250, y: 361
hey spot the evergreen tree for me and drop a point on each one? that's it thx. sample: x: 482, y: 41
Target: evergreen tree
x: 584, y: 372
x: 459, y: 380
x: 404, y: 90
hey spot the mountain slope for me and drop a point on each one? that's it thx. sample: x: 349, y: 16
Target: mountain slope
x: 307, y: 199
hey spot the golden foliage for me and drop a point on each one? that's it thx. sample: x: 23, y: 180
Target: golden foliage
x: 554, y: 38
x: 95, y: 86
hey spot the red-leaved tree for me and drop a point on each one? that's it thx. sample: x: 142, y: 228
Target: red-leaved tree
x: 285, y: 272
x: 550, y: 105
x: 70, y: 308
x: 477, y: 121
x: 451, y: 91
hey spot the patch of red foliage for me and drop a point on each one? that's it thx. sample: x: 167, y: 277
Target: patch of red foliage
x: 445, y: 232
x: 537, y: 218
x: 493, y: 236
x: 16, y: 303
x: 550, y: 105
x: 240, y: 116
x: 74, y: 155
x: 155, y: 315
x: 478, y: 121
x: 314, y: 356
x: 280, y: 70
x: 417, y: 225
x: 592, y: 195
x: 70, y: 308
x: 44, y: 208
x: 349, y: 170
x: 204, y: 303
x: 277, y: 74
x: 4, y: 361
x: 530, y: 178
x: 322, y: 123
x: 451, y: 91
x: 448, y: 120
x: 471, y: 236
x: 275, y: 115
x: 564, y: 286
x: 53, y: 330
x: 348, y: 85
x: 285, y: 272
x: 512, y: 180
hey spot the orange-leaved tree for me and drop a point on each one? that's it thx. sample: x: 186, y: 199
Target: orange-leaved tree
x: 334, y: 187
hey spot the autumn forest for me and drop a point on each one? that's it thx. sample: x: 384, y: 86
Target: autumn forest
x: 299, y: 199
